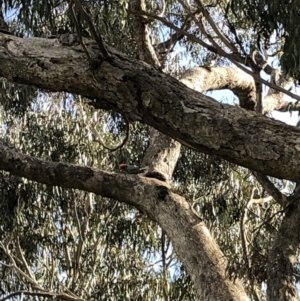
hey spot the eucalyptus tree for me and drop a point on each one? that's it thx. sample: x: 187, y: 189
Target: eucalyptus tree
x: 87, y: 85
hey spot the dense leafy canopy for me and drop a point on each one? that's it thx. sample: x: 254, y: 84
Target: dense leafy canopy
x: 279, y: 19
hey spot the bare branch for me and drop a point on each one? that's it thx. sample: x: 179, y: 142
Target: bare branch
x: 79, y: 33
x: 214, y: 78
x: 237, y: 39
x: 23, y: 260
x: 213, y: 25
x: 18, y: 270
x: 232, y: 57
x: 94, y: 33
x: 271, y: 189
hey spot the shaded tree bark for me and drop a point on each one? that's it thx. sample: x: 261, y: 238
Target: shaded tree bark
x: 163, y: 151
x: 143, y: 93
x: 282, y: 256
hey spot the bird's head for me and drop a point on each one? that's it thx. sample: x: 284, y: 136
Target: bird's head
x: 123, y: 166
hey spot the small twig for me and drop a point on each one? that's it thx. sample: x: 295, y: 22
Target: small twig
x: 79, y: 250
x: 215, y: 28
x: 163, y: 8
x: 268, y: 221
x: 79, y: 33
x: 101, y: 142
x: 219, y: 51
x: 97, y: 136
x: 164, y: 268
x: 23, y: 260
x: 243, y: 232
x: 96, y: 36
x: 237, y: 39
x: 292, y: 199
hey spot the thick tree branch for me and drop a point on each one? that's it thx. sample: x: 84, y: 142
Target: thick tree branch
x: 143, y: 93
x: 162, y: 154
x: 274, y: 100
x: 203, y: 79
x: 163, y: 151
x: 282, y: 256
x: 235, y: 58
x: 146, y: 51
x: 192, y: 242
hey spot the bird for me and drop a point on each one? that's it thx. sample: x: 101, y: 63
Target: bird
x: 132, y: 169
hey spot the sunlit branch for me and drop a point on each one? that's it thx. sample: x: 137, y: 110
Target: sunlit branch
x: 231, y: 57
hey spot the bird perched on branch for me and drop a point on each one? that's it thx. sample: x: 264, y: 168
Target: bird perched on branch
x: 132, y: 169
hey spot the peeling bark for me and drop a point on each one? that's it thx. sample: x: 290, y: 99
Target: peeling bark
x: 143, y: 93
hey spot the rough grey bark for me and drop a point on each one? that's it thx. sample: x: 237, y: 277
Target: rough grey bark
x: 162, y: 154
x: 146, y: 52
x: 192, y: 241
x: 203, y: 79
x: 281, y: 283
x: 282, y: 256
x: 163, y: 151
x: 143, y: 93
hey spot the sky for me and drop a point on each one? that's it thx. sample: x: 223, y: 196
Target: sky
x: 290, y: 118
